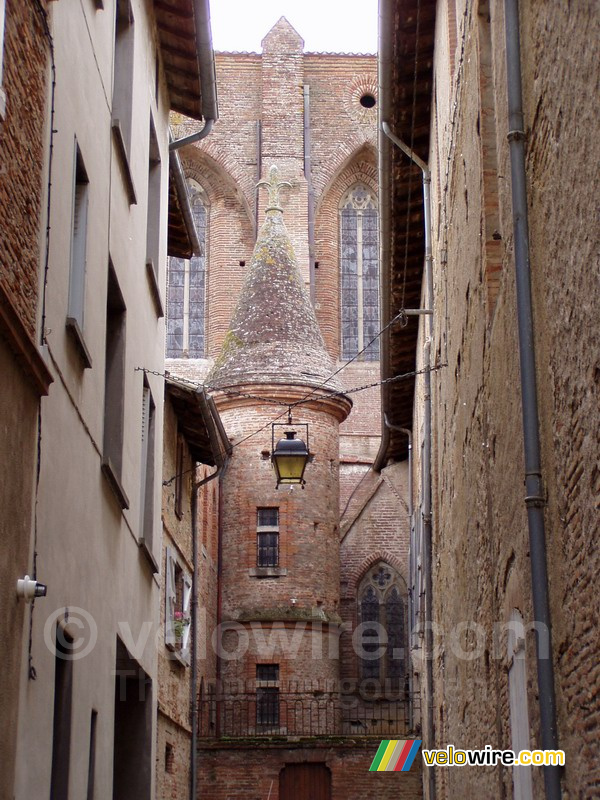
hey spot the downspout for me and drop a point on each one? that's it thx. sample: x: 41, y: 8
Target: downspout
x: 311, y: 195
x: 194, y: 622
x: 408, y: 433
x: 426, y: 470
x: 219, y: 600
x: 384, y: 70
x: 221, y: 461
x: 534, y: 499
x: 208, y: 79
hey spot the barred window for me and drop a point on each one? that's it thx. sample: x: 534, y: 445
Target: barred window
x: 359, y: 274
x: 267, y: 537
x: 382, y: 607
x: 267, y: 694
x: 186, y: 290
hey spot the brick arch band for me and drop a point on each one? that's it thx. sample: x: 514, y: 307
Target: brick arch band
x: 358, y: 573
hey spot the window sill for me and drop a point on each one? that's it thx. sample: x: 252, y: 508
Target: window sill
x: 267, y: 572
x: 29, y: 357
x: 124, y: 161
x: 114, y: 482
x: 155, y: 288
x: 147, y: 551
x: 176, y: 654
x: 77, y: 335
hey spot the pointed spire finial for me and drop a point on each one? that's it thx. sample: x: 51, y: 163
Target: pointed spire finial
x: 274, y: 185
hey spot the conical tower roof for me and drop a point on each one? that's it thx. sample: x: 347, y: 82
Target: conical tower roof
x: 274, y: 337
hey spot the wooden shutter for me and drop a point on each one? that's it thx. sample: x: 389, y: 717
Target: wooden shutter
x: 170, y: 599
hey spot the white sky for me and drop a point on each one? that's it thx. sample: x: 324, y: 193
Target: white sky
x: 336, y: 26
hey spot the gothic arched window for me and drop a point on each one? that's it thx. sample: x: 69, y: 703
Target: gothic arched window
x: 382, y: 609
x: 186, y: 289
x: 359, y: 273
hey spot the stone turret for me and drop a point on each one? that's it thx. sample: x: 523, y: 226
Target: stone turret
x: 274, y: 336
x: 280, y: 548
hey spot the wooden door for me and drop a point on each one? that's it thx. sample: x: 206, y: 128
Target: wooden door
x: 305, y: 782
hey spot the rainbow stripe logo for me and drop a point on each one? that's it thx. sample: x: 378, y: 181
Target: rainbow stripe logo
x: 395, y: 755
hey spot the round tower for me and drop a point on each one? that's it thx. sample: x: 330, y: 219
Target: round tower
x: 280, y: 572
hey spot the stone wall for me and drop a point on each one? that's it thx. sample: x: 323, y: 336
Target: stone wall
x: 481, y: 567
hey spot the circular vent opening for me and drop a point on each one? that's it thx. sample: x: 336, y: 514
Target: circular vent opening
x: 367, y: 101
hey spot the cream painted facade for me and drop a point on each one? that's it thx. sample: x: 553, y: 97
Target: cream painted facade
x: 102, y: 580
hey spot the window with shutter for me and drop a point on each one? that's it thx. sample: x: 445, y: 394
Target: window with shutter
x: 78, y: 239
x: 170, y: 598
x: 178, y: 606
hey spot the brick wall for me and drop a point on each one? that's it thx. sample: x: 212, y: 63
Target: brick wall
x: 238, y: 772
x: 481, y: 568
x: 307, y: 591
x: 23, y: 141
x: 173, y: 728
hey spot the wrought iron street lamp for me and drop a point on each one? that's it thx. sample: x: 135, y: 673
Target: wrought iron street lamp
x: 289, y: 456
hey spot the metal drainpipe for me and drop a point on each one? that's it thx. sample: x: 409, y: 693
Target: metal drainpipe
x: 194, y: 622
x: 426, y: 469
x: 534, y: 499
x: 408, y: 433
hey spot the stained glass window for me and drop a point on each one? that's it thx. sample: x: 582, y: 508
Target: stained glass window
x: 186, y: 290
x: 381, y: 600
x: 359, y: 274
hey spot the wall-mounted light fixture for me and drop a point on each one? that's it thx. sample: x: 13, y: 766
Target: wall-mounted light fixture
x: 29, y: 589
x: 290, y: 455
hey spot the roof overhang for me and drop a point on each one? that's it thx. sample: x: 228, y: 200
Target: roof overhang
x: 187, y: 53
x: 182, y: 241
x: 405, y: 63
x: 199, y: 422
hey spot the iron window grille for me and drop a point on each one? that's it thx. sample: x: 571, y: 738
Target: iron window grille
x: 267, y: 537
x: 267, y: 695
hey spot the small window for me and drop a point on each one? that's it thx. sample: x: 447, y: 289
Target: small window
x: 267, y: 541
x: 267, y: 695
x: 153, y: 223
x: 147, y: 469
x: 114, y: 386
x: 177, y: 605
x: 79, y: 216
x: 123, y: 72
x: 169, y: 758
x: 267, y: 672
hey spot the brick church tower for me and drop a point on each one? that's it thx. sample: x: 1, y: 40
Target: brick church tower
x: 280, y: 557
x: 264, y: 316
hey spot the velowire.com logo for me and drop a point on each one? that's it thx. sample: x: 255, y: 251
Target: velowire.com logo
x: 395, y: 755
